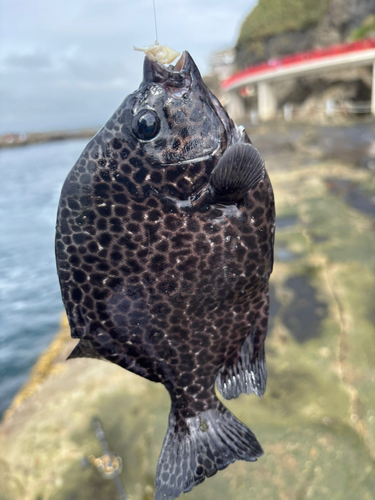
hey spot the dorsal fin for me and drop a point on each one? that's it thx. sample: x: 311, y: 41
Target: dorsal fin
x: 248, y: 372
x: 239, y: 169
x: 247, y: 375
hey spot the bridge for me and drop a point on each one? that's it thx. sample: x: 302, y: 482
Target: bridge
x: 316, y: 61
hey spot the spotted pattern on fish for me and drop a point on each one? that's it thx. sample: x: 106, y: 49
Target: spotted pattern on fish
x: 164, y: 261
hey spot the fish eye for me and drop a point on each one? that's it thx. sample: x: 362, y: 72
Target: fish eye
x: 146, y: 125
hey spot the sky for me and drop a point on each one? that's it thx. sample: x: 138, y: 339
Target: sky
x: 67, y: 64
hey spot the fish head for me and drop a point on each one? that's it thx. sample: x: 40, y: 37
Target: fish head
x: 173, y: 118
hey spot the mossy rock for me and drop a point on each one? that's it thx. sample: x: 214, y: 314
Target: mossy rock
x: 365, y: 30
x: 273, y: 17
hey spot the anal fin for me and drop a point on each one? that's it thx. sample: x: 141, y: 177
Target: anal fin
x: 84, y: 349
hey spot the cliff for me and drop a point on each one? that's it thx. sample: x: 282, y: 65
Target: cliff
x: 275, y: 28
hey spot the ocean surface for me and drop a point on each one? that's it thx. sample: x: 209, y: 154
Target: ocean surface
x: 30, y: 302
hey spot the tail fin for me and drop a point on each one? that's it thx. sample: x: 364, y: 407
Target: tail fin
x: 207, y: 443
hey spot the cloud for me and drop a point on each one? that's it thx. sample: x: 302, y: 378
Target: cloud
x: 28, y: 61
x: 77, y: 55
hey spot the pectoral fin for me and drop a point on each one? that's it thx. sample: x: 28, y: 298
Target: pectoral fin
x: 239, y: 169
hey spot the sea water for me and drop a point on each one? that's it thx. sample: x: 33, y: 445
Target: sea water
x: 31, y: 178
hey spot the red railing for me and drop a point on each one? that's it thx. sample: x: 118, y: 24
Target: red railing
x: 298, y: 58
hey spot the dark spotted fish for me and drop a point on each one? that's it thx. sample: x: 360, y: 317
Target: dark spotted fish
x: 164, y: 248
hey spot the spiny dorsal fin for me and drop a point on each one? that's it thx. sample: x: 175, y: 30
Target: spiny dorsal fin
x: 239, y: 169
x: 247, y: 375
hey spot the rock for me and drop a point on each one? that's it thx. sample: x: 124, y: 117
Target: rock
x: 277, y: 28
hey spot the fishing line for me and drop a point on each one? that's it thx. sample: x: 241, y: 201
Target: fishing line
x: 156, y: 27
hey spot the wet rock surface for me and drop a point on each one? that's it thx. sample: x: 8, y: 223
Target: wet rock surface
x: 304, y: 315
x: 316, y: 421
x: 353, y: 195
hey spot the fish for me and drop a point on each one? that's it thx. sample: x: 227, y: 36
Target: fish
x: 164, y: 249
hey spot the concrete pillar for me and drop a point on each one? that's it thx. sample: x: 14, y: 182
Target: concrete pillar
x: 373, y: 90
x: 330, y: 107
x: 235, y: 105
x: 288, y: 111
x: 254, y: 117
x: 267, y: 105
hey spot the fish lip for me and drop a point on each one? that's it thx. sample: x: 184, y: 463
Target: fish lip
x: 183, y: 62
x: 173, y: 76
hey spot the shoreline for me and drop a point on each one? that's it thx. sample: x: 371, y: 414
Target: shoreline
x: 50, y: 361
x: 15, y: 140
x: 12, y: 140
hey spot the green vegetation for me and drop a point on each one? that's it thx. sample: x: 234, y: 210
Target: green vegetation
x: 366, y: 30
x: 272, y: 17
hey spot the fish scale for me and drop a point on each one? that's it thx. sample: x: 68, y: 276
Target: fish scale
x: 164, y: 247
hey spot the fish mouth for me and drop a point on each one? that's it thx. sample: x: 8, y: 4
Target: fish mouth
x: 179, y: 66
x: 177, y: 76
x: 184, y: 77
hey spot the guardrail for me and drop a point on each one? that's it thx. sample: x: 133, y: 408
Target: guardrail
x: 300, y: 57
